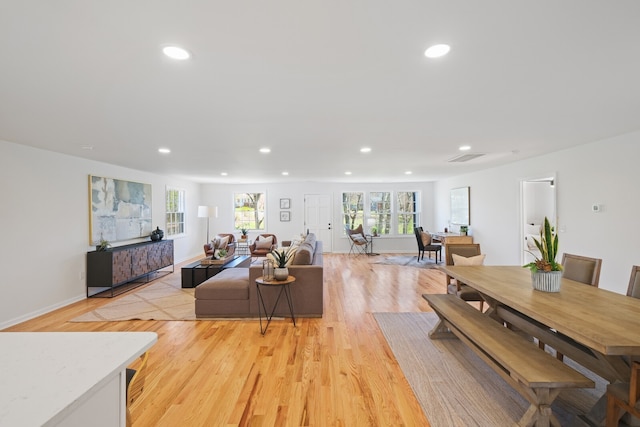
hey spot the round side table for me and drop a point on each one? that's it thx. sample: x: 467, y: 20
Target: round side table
x: 284, y: 288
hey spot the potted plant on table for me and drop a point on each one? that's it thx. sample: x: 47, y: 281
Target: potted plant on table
x: 281, y: 272
x: 546, y: 272
x: 243, y: 233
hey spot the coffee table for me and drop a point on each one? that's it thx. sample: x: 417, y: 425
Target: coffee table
x: 195, y: 273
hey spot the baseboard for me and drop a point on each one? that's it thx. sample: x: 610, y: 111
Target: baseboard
x: 45, y: 310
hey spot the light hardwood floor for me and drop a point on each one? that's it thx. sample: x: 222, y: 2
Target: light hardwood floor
x: 333, y: 371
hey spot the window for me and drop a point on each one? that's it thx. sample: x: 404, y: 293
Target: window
x: 379, y: 212
x: 175, y: 211
x: 408, y: 207
x: 353, y: 209
x: 248, y: 211
x: 388, y: 215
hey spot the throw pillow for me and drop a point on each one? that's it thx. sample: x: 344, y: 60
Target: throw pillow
x: 215, y: 243
x: 222, y: 242
x: 474, y: 260
x: 264, y: 242
x: 426, y: 238
x: 358, y: 238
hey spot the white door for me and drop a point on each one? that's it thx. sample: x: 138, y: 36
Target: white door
x: 317, y: 218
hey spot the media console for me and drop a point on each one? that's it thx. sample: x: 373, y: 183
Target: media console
x: 117, y: 270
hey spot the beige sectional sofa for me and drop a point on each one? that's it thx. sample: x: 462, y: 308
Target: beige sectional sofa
x: 232, y: 292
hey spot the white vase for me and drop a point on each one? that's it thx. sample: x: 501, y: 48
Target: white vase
x: 546, y: 281
x: 281, y: 273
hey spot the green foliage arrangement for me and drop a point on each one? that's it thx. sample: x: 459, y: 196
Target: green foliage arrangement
x: 222, y: 253
x: 548, y: 247
x: 243, y: 231
x: 103, y: 245
x: 282, y: 257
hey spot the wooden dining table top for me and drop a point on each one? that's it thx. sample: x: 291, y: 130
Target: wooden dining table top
x: 604, y: 321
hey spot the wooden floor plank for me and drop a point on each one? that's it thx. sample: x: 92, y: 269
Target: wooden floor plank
x: 334, y: 371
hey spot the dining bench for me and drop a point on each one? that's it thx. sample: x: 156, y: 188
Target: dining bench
x: 536, y: 375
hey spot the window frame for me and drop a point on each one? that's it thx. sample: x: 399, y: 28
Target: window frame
x: 260, y: 215
x: 393, y: 210
x: 175, y: 219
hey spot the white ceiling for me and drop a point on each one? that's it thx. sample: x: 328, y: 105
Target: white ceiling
x: 315, y: 80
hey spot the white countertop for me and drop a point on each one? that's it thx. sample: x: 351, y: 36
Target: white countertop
x: 44, y: 375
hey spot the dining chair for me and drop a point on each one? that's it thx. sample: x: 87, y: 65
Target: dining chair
x: 581, y: 269
x: 634, y: 282
x: 135, y: 383
x: 455, y: 287
x: 425, y: 244
x: 624, y: 397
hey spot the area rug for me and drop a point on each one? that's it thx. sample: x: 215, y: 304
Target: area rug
x: 456, y: 388
x: 158, y: 301
x: 407, y: 260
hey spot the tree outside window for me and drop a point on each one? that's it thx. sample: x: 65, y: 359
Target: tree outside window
x: 407, y: 215
x: 353, y: 209
x: 175, y: 211
x: 249, y: 211
x: 380, y: 212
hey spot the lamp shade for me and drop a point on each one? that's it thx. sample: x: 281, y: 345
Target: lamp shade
x: 203, y: 211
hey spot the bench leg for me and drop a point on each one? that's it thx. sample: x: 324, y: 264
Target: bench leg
x: 539, y: 413
x: 441, y: 330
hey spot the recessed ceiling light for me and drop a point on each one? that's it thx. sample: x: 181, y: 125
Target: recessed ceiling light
x: 365, y: 150
x: 285, y: 173
x: 347, y: 173
x: 436, y: 51
x: 175, y: 52
x: 464, y: 148
x: 224, y: 173
x: 87, y: 147
x: 164, y: 150
x: 408, y: 173
x: 265, y: 150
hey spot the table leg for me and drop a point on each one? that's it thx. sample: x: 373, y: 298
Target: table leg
x: 268, y: 317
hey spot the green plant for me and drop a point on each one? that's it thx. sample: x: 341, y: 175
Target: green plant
x: 243, y: 231
x: 103, y: 245
x: 222, y: 253
x: 282, y: 257
x: 548, y: 247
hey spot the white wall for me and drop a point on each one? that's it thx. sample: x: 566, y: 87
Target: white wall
x: 222, y: 196
x: 603, y: 173
x: 45, y: 219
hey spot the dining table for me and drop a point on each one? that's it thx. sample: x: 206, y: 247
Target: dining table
x: 597, y: 328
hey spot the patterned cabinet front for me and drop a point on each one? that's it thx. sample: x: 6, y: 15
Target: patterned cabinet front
x: 139, y: 261
x: 167, y: 254
x: 121, y: 266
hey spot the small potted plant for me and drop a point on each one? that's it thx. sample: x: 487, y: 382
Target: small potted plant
x: 374, y: 231
x: 546, y: 272
x: 243, y: 233
x: 281, y: 272
x: 103, y: 245
x: 221, y: 253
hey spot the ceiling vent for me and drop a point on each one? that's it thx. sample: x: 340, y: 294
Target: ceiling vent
x: 465, y: 157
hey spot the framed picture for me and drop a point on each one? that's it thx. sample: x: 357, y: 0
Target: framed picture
x: 285, y: 215
x: 118, y: 209
x: 285, y: 204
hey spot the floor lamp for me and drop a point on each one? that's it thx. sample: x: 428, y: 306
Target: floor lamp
x: 203, y: 212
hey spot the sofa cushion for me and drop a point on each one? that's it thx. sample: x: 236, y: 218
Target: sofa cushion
x: 304, y: 254
x: 229, y: 284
